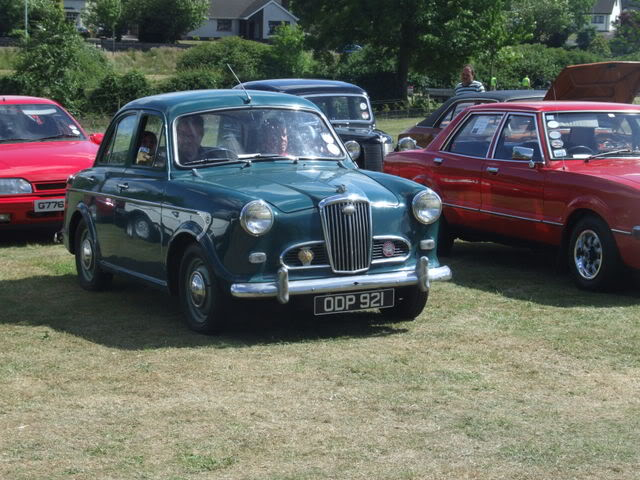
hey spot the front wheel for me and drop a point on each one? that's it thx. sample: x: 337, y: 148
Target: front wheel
x: 90, y: 276
x: 409, y: 303
x: 201, y: 299
x: 593, y: 255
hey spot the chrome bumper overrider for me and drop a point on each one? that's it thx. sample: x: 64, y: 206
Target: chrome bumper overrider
x: 283, y: 287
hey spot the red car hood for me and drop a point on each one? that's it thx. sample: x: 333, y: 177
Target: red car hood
x: 612, y: 168
x: 45, y: 161
x: 601, y: 82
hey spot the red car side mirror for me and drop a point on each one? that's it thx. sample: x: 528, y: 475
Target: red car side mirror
x: 96, y: 138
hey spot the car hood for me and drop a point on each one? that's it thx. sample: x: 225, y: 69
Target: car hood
x: 300, y: 187
x: 358, y: 134
x: 626, y: 169
x: 603, y: 82
x: 45, y: 161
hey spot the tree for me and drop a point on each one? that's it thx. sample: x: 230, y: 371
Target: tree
x: 105, y: 14
x: 552, y: 21
x: 289, y: 59
x: 12, y: 17
x: 166, y: 20
x: 627, y: 37
x: 419, y: 34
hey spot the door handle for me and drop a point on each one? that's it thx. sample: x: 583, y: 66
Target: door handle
x: 123, y: 186
x: 492, y: 170
x: 437, y: 160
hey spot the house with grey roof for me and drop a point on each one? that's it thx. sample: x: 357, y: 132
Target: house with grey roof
x: 604, y: 13
x: 250, y: 19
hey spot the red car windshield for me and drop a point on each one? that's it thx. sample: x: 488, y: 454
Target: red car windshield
x: 587, y: 134
x: 36, y: 122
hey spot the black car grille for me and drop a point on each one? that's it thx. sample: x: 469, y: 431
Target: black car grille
x: 372, y: 154
x: 291, y: 257
x: 347, y: 232
x: 46, y: 186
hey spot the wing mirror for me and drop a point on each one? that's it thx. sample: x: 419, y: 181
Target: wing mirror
x: 407, y: 143
x: 96, y: 138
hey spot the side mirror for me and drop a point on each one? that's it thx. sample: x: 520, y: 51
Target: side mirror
x: 407, y: 143
x: 96, y: 138
x: 353, y: 149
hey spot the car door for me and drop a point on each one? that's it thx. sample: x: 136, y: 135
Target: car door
x: 106, y: 177
x: 513, y: 189
x: 138, y: 212
x: 457, y: 167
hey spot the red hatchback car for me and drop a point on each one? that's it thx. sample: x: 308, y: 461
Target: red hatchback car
x: 41, y: 144
x: 565, y: 174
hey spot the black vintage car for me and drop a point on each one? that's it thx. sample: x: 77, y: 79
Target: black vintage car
x: 348, y: 109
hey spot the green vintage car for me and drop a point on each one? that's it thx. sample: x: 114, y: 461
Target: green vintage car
x: 217, y: 195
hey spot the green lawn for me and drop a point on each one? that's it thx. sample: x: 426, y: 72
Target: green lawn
x: 509, y: 373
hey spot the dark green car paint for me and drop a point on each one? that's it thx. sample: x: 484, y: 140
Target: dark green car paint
x: 141, y: 229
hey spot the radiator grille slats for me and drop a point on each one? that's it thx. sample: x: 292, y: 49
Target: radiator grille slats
x: 347, y: 230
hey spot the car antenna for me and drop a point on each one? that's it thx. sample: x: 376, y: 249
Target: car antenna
x: 248, y: 100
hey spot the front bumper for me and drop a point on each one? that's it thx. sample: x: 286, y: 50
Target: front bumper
x: 20, y: 211
x: 283, y: 288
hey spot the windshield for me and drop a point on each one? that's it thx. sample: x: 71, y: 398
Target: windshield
x: 588, y: 134
x: 35, y: 122
x: 344, y: 108
x: 254, y: 133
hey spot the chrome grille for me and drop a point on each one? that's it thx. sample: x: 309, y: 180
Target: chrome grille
x: 401, y: 247
x: 290, y: 256
x: 347, y: 234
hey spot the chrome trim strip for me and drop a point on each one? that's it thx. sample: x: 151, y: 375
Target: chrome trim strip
x: 391, y: 259
x: 301, y: 245
x: 621, y: 232
x: 116, y: 269
x: 452, y: 205
x: 498, y: 214
x: 548, y: 222
x: 339, y: 284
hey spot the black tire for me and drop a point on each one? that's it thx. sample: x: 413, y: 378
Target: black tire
x: 410, y: 301
x: 445, y: 238
x: 201, y: 299
x: 90, y: 276
x: 593, y: 256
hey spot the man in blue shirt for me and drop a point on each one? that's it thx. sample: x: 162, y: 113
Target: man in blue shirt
x: 468, y: 84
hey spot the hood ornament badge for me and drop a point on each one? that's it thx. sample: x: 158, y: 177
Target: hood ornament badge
x: 342, y: 188
x: 349, y: 209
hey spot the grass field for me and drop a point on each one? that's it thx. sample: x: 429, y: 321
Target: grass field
x: 509, y: 373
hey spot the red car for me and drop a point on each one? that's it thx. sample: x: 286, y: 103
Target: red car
x: 41, y: 144
x: 565, y: 174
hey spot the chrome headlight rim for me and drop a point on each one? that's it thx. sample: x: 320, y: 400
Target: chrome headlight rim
x: 246, y: 220
x: 426, y: 206
x: 21, y: 186
x: 353, y: 148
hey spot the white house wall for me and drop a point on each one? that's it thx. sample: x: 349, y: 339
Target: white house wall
x: 273, y: 13
x: 209, y: 29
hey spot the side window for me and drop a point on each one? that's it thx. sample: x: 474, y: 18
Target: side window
x: 151, y: 149
x: 518, y: 131
x: 118, y: 147
x: 475, y: 136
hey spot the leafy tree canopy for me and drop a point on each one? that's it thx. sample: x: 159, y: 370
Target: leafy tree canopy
x: 423, y: 35
x: 12, y: 14
x: 104, y: 13
x: 627, y: 37
x: 166, y: 20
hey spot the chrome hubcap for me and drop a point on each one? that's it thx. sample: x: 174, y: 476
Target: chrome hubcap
x: 587, y: 254
x: 86, y: 254
x: 197, y: 289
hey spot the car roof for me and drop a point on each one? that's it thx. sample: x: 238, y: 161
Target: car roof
x: 556, y: 106
x: 304, y: 86
x: 490, y: 96
x: 20, y: 99
x: 179, y: 103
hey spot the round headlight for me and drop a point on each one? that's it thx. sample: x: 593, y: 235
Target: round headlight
x: 256, y: 217
x: 407, y: 143
x: 353, y: 149
x: 13, y: 186
x: 427, y: 206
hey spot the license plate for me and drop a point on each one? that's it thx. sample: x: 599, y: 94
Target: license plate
x: 51, y: 205
x: 349, y: 302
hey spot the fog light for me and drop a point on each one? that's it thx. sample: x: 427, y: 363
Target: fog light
x: 257, y: 257
x: 5, y: 217
x: 428, y: 244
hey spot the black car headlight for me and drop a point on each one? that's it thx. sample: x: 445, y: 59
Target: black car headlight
x: 256, y: 217
x: 427, y: 206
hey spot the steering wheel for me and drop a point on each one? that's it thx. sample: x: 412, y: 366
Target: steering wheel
x: 577, y: 149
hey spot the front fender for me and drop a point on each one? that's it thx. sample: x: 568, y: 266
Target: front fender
x: 84, y: 212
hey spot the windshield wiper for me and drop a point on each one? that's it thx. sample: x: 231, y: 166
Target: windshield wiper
x: 612, y: 152
x: 53, y: 137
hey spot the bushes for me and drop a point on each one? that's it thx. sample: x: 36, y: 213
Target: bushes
x: 248, y: 59
x: 116, y: 90
x: 196, y: 79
